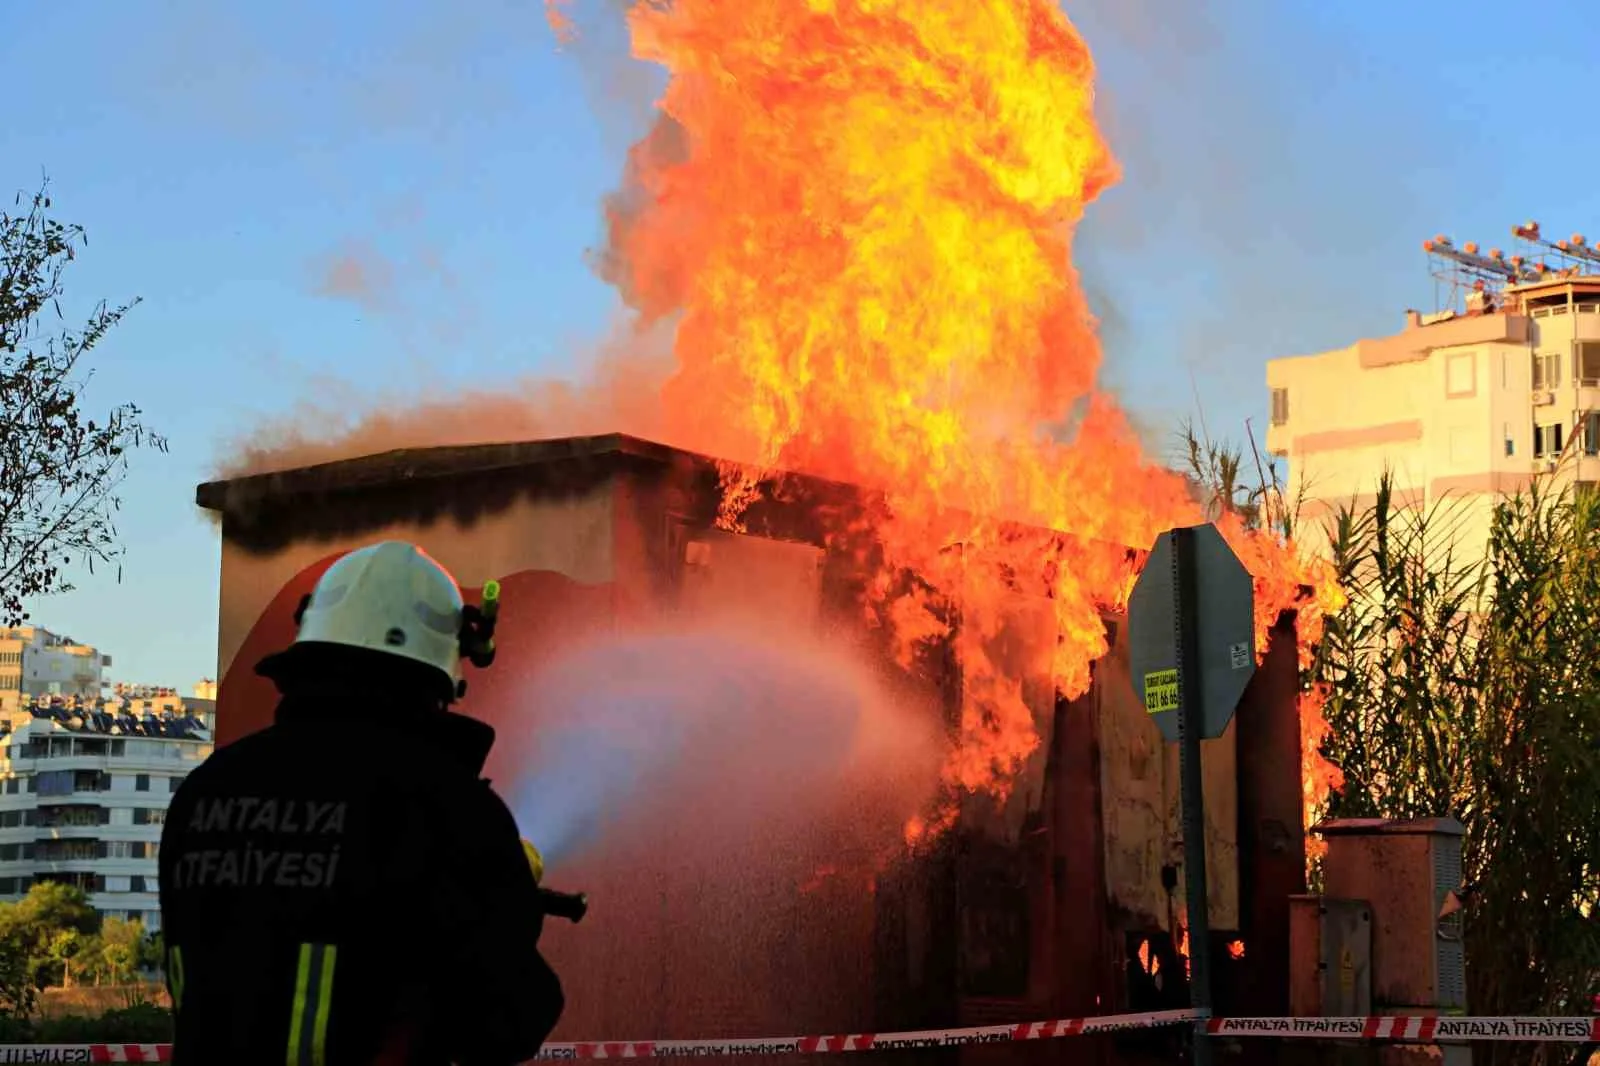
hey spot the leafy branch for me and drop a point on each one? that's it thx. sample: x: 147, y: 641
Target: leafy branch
x: 58, y: 469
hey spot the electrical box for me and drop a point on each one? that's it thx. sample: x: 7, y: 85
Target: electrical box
x: 1330, y: 957
x: 1406, y: 871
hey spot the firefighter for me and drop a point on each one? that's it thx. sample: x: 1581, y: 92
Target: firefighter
x: 344, y: 886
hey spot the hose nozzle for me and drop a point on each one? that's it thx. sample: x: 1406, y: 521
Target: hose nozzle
x: 569, y: 905
x: 477, y: 627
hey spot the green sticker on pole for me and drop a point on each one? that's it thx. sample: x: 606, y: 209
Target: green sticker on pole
x: 1161, y: 691
x: 1225, y: 645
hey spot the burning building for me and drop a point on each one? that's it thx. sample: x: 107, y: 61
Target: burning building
x: 1058, y: 896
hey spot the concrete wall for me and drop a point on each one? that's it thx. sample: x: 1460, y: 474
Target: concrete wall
x: 570, y: 536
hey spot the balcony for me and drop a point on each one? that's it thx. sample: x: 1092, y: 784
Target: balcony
x: 87, y: 882
x: 1417, y: 340
x: 69, y: 816
x: 105, y: 853
x: 58, y: 852
x: 60, y: 786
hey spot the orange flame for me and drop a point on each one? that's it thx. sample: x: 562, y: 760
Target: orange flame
x: 862, y: 214
x: 1236, y: 949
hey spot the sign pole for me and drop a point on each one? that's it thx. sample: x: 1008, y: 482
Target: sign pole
x: 1191, y: 649
x: 1187, y: 624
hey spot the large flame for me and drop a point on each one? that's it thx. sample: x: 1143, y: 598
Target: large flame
x: 862, y: 212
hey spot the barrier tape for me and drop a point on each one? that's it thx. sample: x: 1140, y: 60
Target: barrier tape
x: 1403, y: 1028
x: 814, y: 1045
x: 1415, y: 1028
x: 659, y: 1049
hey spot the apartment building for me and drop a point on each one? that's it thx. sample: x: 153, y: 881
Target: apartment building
x: 1462, y: 406
x: 83, y: 797
x: 35, y: 662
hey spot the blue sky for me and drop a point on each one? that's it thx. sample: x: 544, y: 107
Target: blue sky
x: 1283, y: 163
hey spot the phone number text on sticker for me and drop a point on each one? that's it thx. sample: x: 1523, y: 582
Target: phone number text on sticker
x: 1161, y: 691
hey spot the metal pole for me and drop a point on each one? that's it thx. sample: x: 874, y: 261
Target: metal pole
x: 1191, y: 783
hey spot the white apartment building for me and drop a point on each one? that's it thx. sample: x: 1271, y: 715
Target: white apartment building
x: 1462, y: 406
x: 83, y: 797
x: 35, y: 662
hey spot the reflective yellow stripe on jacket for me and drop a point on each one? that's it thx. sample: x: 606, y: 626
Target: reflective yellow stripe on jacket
x: 313, y: 987
x: 175, y: 976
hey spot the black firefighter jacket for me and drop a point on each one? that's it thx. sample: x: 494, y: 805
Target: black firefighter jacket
x: 340, y: 890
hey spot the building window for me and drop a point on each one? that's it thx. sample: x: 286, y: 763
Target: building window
x: 1548, y: 441
x: 1546, y: 370
x: 172, y: 783
x: 13, y: 785
x: 56, y: 782
x: 8, y: 887
x: 1280, y: 407
x: 136, y: 883
x: 149, y: 816
x: 1461, y: 375
x: 141, y: 783
x: 1591, y: 433
x: 1587, y: 360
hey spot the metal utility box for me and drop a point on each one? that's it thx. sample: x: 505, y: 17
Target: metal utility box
x: 1330, y: 953
x: 1405, y: 870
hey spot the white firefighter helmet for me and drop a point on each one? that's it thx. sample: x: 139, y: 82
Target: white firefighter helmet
x: 391, y: 598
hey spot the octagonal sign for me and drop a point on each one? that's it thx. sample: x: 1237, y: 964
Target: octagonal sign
x: 1225, y: 652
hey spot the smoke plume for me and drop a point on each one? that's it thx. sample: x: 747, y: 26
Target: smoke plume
x: 620, y: 391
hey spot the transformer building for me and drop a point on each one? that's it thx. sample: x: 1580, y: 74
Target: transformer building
x: 1060, y: 902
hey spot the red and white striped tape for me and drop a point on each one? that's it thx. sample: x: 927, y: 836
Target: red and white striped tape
x: 656, y: 1049
x: 1409, y: 1028
x: 85, y: 1053
x: 813, y: 1045
x: 1416, y: 1028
